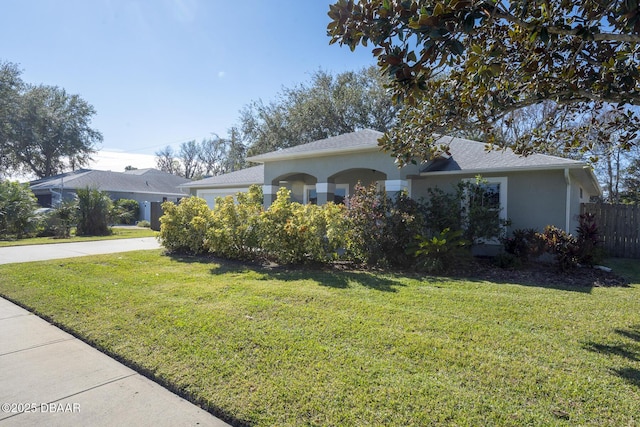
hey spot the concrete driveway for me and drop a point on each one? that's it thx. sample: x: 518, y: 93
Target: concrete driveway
x: 14, y: 254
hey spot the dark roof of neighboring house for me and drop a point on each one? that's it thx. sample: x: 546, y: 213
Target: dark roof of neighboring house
x: 149, y: 181
x: 243, y: 177
x: 365, y: 139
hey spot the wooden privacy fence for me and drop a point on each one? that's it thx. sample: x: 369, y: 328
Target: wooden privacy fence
x: 619, y: 227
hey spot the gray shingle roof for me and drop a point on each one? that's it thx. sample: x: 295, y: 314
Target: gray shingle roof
x: 362, y: 139
x: 472, y: 156
x: 248, y: 176
x: 466, y: 154
x: 145, y: 181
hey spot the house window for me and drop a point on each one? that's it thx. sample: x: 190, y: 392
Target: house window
x: 310, y: 195
x: 493, y: 197
x: 339, y: 194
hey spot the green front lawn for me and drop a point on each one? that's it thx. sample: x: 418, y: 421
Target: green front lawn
x: 277, y: 347
x: 118, y: 233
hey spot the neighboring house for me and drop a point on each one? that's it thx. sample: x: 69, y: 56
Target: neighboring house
x: 143, y: 185
x: 532, y: 191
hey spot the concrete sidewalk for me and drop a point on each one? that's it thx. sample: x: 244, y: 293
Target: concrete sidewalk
x: 14, y: 254
x: 48, y: 377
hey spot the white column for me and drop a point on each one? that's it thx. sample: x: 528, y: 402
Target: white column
x: 325, y: 192
x: 269, y: 192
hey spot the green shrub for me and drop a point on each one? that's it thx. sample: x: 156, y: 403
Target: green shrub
x: 323, y: 229
x: 283, y: 230
x: 234, y: 232
x: 443, y: 210
x: 125, y: 211
x: 590, y: 251
x: 404, y: 220
x: 507, y: 261
x: 331, y: 228
x: 94, y: 207
x: 469, y: 207
x: 561, y: 244
x: 366, y: 214
x: 440, y: 253
x: 480, y: 215
x: 183, y: 226
x: 58, y: 222
x: 524, y: 244
x: 380, y: 228
x: 292, y: 233
x: 144, y: 223
x: 17, y: 210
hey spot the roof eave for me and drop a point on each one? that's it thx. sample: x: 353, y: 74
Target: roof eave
x: 271, y: 157
x: 578, y: 165
x: 222, y: 185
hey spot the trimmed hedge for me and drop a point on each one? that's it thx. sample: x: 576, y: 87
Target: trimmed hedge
x: 371, y: 230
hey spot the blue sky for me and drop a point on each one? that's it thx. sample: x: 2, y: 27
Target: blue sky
x: 161, y: 72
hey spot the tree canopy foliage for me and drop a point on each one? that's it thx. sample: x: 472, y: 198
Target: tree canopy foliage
x: 328, y: 105
x: 456, y: 62
x: 10, y: 86
x: 43, y: 129
x: 212, y: 156
x: 17, y: 210
x: 632, y: 182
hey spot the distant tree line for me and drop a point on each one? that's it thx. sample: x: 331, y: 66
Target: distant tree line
x: 210, y: 157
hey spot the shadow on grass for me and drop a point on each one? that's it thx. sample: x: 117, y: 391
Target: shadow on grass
x: 629, y: 350
x: 337, y: 279
x: 538, y: 275
x: 323, y: 276
x: 542, y: 282
x: 545, y: 278
x: 631, y: 375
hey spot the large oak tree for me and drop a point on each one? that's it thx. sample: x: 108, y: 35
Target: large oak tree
x: 43, y: 129
x: 10, y: 87
x: 453, y: 63
x: 51, y: 131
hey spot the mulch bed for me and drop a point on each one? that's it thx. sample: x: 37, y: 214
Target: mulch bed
x: 541, y: 274
x: 533, y: 274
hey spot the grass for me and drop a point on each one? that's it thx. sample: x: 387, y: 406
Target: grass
x: 118, y: 233
x: 270, y: 347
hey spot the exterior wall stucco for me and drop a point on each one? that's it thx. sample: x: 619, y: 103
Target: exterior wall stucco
x: 325, y: 168
x: 210, y: 195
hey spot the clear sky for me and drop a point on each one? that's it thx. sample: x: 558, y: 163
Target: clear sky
x: 161, y: 72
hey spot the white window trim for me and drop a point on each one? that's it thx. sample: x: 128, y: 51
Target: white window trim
x: 503, y: 181
x: 307, y: 187
x: 396, y: 185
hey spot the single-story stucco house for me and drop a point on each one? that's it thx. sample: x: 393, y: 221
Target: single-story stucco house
x: 533, y: 191
x: 146, y: 186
